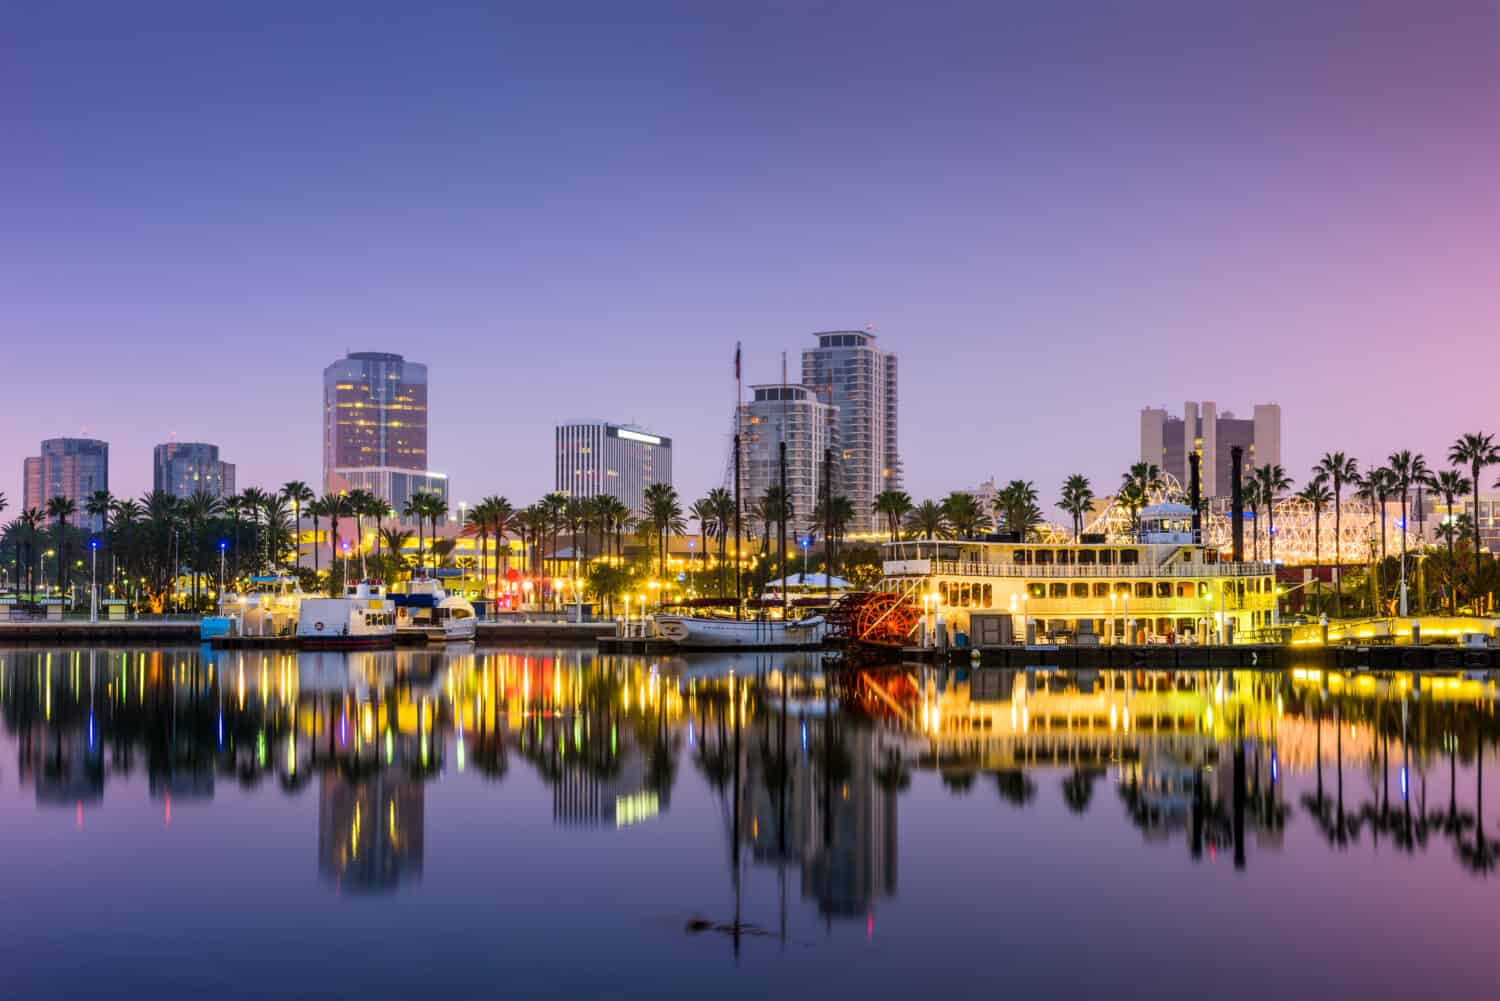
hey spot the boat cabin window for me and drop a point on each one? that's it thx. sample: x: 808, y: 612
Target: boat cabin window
x: 1036, y: 590
x: 1044, y: 557
x: 1106, y: 557
x: 1058, y: 591
x: 1164, y: 589
x: 1085, y: 557
x: 1187, y: 590
x: 1021, y: 556
x: 1143, y: 589
x: 1101, y: 589
x: 1080, y: 590
x: 1064, y: 557
x: 1129, y: 557
x: 989, y: 596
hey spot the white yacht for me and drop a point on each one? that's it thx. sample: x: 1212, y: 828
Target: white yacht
x: 363, y: 617
x: 426, y: 609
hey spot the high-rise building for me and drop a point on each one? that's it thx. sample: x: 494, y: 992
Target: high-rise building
x: 68, y: 467
x: 375, y: 428
x: 621, y: 460
x: 851, y: 374
x: 808, y: 426
x: 182, y: 468
x: 1166, y: 441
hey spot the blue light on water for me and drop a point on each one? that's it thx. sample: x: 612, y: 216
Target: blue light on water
x: 804, y: 736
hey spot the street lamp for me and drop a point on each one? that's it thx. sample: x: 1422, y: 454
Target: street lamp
x: 93, y: 579
x: 223, y: 545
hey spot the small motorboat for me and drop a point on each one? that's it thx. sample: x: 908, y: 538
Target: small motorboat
x: 426, y: 609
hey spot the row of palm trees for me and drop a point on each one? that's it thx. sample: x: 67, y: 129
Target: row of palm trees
x: 960, y: 515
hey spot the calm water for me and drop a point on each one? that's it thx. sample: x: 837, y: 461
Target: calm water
x: 557, y: 823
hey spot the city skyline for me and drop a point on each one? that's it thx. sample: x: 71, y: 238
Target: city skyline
x: 1150, y: 205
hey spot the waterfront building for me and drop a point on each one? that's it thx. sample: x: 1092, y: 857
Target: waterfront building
x: 809, y: 426
x: 67, y: 467
x: 850, y: 373
x: 1488, y: 518
x: 181, y: 468
x: 375, y: 428
x: 620, y: 460
x: 1167, y: 441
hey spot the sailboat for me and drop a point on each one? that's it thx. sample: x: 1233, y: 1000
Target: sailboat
x: 707, y: 632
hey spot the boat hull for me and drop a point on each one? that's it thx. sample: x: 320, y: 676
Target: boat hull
x: 692, y: 632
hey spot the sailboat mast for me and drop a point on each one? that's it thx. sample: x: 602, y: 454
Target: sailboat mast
x: 739, y: 582
x: 785, y: 500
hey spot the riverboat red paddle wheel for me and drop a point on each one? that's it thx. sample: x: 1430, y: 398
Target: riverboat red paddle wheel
x: 875, y: 618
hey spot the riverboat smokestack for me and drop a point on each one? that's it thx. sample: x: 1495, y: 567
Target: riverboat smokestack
x: 1237, y: 501
x: 1195, y: 495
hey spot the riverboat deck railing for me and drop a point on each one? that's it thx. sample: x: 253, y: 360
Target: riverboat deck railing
x: 975, y: 568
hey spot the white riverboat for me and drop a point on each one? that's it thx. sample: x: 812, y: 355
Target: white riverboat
x: 1160, y: 584
x: 363, y: 617
x: 426, y: 609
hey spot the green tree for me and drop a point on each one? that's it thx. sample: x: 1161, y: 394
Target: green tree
x: 1477, y: 451
x: 1376, y: 486
x: 1016, y: 504
x: 966, y: 517
x: 299, y: 495
x: 928, y: 520
x: 1273, y: 482
x: 664, y: 514
x: 61, y: 508
x: 1408, y: 469
x: 894, y: 505
x: 1317, y: 495
x: 1339, y: 469
x: 1077, y: 500
x: 1450, y: 483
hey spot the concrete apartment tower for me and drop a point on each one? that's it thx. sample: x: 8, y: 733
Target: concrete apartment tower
x: 849, y: 372
x: 1167, y: 441
x: 808, y: 425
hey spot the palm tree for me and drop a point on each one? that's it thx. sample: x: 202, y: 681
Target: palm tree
x: 664, y: 514
x: 720, y: 505
x: 274, y: 515
x: 835, y: 517
x: 61, y: 508
x: 1375, y: 487
x: 1251, y: 493
x: 895, y: 505
x: 555, y: 505
x: 1077, y: 501
x: 1273, y: 480
x: 1016, y: 503
x: 360, y: 503
x: 1317, y: 495
x: 252, y: 501
x: 1450, y: 483
x: 576, y: 513
x: 928, y: 520
x: 1476, y: 450
x: 317, y: 509
x: 477, y: 523
x: 197, y: 508
x: 704, y: 514
x: 1146, y: 475
x: 1408, y: 469
x: 32, y: 519
x: 335, y: 506
x: 299, y: 495
x: 502, y: 518
x: 395, y: 541
x: 965, y: 517
x: 1340, y: 469
x: 100, y: 504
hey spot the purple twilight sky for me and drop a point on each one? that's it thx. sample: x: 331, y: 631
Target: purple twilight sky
x: 1055, y: 212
